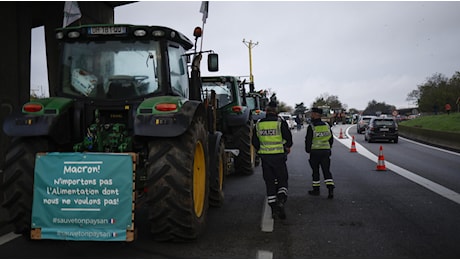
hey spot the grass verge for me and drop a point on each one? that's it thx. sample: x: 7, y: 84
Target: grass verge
x: 442, y: 122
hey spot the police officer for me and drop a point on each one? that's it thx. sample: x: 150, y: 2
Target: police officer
x: 272, y: 139
x: 318, y: 143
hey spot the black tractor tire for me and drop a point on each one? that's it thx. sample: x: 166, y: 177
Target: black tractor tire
x: 18, y: 181
x: 216, y: 193
x: 177, y: 184
x: 258, y: 160
x: 245, y: 161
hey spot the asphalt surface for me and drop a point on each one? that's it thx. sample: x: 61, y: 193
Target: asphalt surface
x: 374, y: 214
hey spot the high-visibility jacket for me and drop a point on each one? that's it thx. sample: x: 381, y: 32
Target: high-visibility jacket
x: 321, y: 136
x: 270, y: 137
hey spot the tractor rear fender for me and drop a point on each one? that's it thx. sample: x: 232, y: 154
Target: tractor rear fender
x: 258, y: 115
x: 50, y: 117
x: 237, y: 119
x: 17, y: 124
x: 168, y: 124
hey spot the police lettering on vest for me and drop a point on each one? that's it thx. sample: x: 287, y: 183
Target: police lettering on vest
x: 265, y: 132
x: 321, y: 135
x: 269, y: 134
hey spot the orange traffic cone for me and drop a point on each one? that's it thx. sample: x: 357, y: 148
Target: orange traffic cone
x: 381, y: 161
x: 353, y: 145
x: 341, y: 134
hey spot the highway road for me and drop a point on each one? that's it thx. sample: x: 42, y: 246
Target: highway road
x: 411, y: 210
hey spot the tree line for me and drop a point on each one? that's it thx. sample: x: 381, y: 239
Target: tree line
x: 437, y: 91
x: 430, y: 96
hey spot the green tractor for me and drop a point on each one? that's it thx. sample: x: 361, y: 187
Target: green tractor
x: 256, y: 101
x: 234, y: 121
x: 123, y: 89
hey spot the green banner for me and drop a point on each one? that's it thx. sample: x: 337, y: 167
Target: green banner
x: 83, y: 196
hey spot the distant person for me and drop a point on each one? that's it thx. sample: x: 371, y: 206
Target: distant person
x: 435, y: 109
x: 318, y: 143
x: 272, y: 139
x: 298, y: 122
x: 447, y: 108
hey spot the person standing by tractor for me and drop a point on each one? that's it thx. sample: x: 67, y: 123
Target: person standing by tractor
x: 272, y: 139
x: 318, y: 143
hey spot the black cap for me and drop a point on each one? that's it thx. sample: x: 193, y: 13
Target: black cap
x: 317, y: 110
x: 271, y: 108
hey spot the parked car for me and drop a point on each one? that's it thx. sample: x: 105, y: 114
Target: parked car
x: 289, y: 120
x: 363, y: 121
x: 381, y: 128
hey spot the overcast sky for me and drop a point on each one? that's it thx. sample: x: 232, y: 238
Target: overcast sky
x: 358, y: 51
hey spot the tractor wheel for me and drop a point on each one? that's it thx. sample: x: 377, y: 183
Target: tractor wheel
x: 216, y: 193
x: 257, y: 162
x: 245, y: 161
x: 177, y: 196
x: 18, y: 181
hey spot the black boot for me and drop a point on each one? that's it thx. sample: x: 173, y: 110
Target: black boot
x: 314, y: 192
x: 331, y: 192
x: 282, y: 197
x: 274, y: 208
x: 281, y: 212
x: 278, y: 210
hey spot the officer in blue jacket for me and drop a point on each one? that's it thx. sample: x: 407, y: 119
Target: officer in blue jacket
x: 272, y: 139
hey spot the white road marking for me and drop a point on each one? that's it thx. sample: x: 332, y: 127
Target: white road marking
x: 267, y: 220
x: 441, y: 190
x: 266, y: 226
x: 8, y: 237
x: 262, y: 254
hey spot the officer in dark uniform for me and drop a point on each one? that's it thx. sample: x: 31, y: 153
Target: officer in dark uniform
x: 318, y: 143
x: 272, y: 139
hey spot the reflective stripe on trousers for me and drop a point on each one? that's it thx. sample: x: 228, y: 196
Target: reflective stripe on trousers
x: 271, y: 199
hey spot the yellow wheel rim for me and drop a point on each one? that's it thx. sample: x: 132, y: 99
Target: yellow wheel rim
x: 199, y: 179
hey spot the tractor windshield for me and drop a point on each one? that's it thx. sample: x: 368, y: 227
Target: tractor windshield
x: 223, y: 92
x: 110, y: 69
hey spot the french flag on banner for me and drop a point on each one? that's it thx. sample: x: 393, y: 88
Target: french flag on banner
x: 114, y: 234
x: 112, y: 221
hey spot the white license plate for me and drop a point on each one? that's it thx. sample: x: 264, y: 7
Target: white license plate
x: 107, y: 30
x: 384, y: 129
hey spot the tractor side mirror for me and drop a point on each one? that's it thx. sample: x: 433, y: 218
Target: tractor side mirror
x: 213, y: 62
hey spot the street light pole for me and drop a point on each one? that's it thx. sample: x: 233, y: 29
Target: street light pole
x: 250, y: 45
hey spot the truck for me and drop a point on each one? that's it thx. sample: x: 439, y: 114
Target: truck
x: 128, y: 110
x: 234, y: 121
x: 332, y: 115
